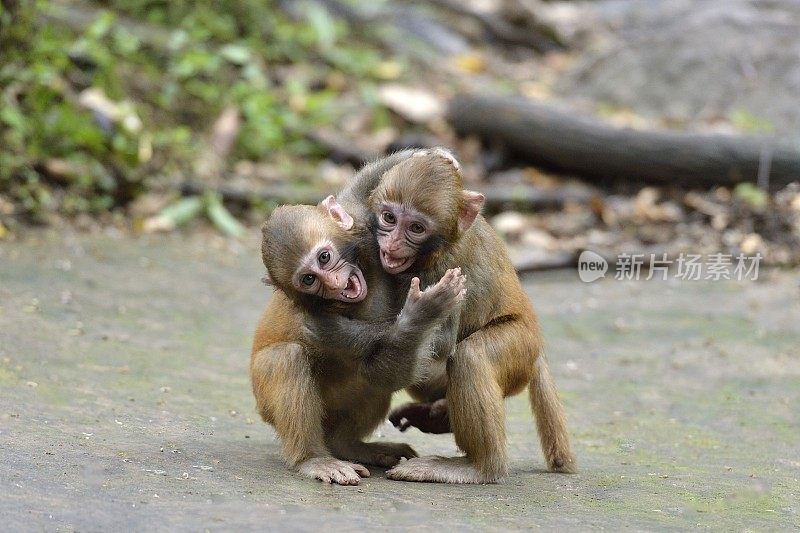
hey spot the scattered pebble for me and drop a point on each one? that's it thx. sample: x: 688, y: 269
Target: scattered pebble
x: 32, y: 307
x: 65, y: 265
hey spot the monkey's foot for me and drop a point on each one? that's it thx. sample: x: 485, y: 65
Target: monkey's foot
x: 331, y: 470
x: 427, y: 417
x: 384, y: 454
x: 437, y: 469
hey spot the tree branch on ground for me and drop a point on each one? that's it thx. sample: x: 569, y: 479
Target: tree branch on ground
x: 565, y: 141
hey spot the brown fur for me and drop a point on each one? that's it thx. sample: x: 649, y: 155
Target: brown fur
x: 322, y: 392
x: 499, y: 349
x: 320, y: 405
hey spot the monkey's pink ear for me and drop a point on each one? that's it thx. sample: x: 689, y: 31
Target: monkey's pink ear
x: 473, y: 203
x: 337, y: 212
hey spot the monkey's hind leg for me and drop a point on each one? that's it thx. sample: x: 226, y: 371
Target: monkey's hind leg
x: 385, y: 454
x: 477, y: 417
x: 287, y: 397
x: 346, y: 438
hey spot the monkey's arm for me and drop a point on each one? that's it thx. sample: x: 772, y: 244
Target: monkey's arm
x: 388, y: 353
x: 342, y: 336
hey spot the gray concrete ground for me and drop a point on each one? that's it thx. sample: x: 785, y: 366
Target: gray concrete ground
x: 125, y: 403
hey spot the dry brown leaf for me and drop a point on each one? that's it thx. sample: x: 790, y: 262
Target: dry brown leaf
x: 416, y: 105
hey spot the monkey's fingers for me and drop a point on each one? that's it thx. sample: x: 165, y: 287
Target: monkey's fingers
x: 360, y: 469
x: 426, y: 417
x: 346, y: 473
x: 446, y: 280
x: 332, y: 470
x: 402, y: 417
x: 459, y: 282
x: 413, y: 290
x: 345, y: 476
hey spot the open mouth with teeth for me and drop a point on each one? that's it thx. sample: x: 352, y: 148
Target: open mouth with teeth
x: 395, y: 265
x: 356, y: 289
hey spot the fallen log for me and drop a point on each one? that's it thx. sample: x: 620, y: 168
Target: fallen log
x: 498, y: 198
x: 537, y: 36
x: 564, y: 141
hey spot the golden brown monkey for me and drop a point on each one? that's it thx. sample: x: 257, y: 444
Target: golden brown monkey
x: 425, y: 222
x: 324, y: 396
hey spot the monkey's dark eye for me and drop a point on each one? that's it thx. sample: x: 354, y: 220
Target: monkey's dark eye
x: 309, y: 279
x: 389, y: 218
x: 324, y: 257
x: 416, y: 227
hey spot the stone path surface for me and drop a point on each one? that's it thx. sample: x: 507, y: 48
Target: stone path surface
x: 125, y: 403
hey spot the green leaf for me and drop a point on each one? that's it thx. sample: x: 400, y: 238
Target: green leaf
x: 751, y: 194
x: 322, y: 23
x: 235, y: 53
x: 183, y: 210
x: 221, y: 217
x: 749, y: 123
x: 101, y: 25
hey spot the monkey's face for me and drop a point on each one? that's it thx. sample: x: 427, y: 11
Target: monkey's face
x: 420, y: 208
x: 329, y: 274
x: 309, y: 251
x: 402, y: 233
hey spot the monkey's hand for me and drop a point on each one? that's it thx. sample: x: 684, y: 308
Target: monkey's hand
x: 426, y: 417
x: 436, y: 302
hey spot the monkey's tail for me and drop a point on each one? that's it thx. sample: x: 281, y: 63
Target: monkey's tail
x: 550, y: 420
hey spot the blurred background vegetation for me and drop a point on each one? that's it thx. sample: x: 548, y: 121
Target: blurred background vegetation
x: 103, y: 101
x: 143, y: 115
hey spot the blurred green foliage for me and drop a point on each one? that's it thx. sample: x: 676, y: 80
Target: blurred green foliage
x: 168, y: 67
x: 745, y: 121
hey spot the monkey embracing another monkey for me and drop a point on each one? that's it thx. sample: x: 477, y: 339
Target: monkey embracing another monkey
x: 323, y: 396
x: 424, y: 222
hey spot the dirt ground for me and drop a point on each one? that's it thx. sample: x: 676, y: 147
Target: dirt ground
x: 125, y: 403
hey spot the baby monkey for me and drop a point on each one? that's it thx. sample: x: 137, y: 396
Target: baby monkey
x: 489, y: 348
x: 324, y: 395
